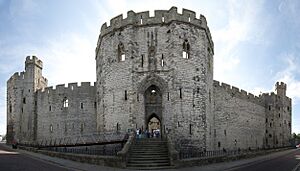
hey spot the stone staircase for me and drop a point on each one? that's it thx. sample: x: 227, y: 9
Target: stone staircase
x: 149, y: 154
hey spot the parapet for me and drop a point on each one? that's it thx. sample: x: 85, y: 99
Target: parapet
x: 280, y: 85
x: 160, y: 17
x: 70, y: 87
x: 33, y: 60
x: 239, y: 93
x: 17, y: 76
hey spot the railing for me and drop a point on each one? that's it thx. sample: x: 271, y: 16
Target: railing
x: 97, y: 150
x: 185, y: 153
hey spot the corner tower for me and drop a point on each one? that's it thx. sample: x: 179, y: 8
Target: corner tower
x: 157, y: 67
x: 21, y: 101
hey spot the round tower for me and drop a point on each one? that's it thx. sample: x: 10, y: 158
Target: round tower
x: 156, y: 73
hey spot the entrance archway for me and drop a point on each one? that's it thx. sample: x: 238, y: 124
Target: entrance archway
x: 154, y: 126
x: 153, y: 108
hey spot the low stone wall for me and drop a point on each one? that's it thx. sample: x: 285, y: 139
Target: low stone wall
x: 216, y: 159
x: 112, y: 161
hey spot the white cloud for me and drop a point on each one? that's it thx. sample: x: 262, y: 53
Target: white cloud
x: 69, y: 58
x: 288, y: 75
x: 241, y: 27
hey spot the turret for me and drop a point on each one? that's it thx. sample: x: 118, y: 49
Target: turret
x: 280, y: 89
x: 21, y: 98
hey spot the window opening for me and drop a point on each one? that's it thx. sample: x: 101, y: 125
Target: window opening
x: 50, y: 108
x: 180, y: 93
x: 121, y: 52
x: 24, y: 100
x: 51, y: 128
x: 81, y: 105
x: 141, y: 20
x: 142, y: 60
x: 190, y: 129
x: 65, y: 103
x: 162, y: 60
x: 186, y: 49
x: 125, y: 94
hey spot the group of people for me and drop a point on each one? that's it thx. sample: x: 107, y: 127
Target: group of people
x: 155, y: 133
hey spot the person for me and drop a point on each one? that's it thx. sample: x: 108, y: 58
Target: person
x: 137, y: 133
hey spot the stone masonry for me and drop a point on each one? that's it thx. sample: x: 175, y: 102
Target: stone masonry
x: 162, y: 67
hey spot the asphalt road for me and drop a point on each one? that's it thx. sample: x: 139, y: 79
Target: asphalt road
x: 14, y: 161
x: 286, y: 162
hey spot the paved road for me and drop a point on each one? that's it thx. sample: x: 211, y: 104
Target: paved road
x: 286, y: 162
x: 14, y: 161
x: 11, y: 160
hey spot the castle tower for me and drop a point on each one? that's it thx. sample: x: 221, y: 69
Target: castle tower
x: 278, y: 117
x: 280, y: 89
x: 156, y: 69
x: 21, y: 101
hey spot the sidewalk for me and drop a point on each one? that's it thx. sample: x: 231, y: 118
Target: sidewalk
x: 213, y: 167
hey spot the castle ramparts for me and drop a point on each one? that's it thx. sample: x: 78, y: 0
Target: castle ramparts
x: 160, y: 17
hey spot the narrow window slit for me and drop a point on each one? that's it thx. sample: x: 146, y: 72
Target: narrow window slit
x: 126, y: 95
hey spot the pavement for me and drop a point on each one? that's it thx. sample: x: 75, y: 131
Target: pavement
x: 11, y: 160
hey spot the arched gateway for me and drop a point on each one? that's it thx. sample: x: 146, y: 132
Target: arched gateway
x: 153, y: 109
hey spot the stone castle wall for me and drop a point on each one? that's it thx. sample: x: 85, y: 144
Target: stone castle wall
x: 239, y: 118
x: 66, y: 111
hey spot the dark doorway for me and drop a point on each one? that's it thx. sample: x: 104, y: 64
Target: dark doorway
x: 153, y: 109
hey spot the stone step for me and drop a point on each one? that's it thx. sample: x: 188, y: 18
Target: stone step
x: 150, y: 168
x: 147, y: 164
x: 149, y: 158
x: 147, y: 161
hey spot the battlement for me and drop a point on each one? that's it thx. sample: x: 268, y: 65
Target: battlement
x: 236, y: 92
x: 17, y: 76
x: 33, y: 60
x: 70, y: 87
x: 280, y: 85
x: 160, y: 17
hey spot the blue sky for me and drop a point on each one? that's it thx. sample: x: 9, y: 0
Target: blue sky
x: 256, y: 42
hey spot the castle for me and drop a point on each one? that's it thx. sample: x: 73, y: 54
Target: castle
x: 149, y: 70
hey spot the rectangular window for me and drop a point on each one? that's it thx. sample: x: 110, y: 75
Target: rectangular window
x: 168, y: 96
x: 125, y: 94
x: 50, y: 108
x: 225, y: 132
x: 95, y: 105
x: 162, y: 60
x: 81, y: 105
x: 142, y: 64
x: 123, y: 57
x: 24, y: 100
x: 190, y: 129
x: 180, y: 93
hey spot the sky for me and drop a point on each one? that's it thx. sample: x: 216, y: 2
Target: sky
x: 257, y: 42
